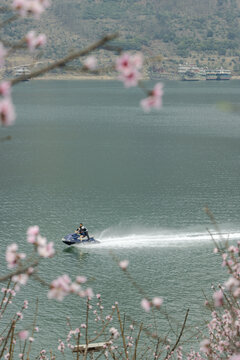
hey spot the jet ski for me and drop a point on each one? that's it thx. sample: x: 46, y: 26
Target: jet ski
x: 72, y: 239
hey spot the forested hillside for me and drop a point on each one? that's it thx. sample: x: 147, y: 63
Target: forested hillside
x: 204, y: 30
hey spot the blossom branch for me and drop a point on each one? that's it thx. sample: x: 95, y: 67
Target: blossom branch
x: 33, y: 329
x: 179, y: 337
x: 8, y: 21
x: 136, y: 342
x: 122, y: 332
x: 20, y: 270
x: 62, y: 62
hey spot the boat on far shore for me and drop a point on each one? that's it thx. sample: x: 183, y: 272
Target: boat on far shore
x: 218, y: 74
x: 21, y: 71
x: 189, y: 72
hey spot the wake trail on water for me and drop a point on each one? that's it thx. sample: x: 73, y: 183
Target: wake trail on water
x: 162, y: 238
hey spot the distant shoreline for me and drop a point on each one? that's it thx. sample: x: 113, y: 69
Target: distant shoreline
x: 74, y: 77
x: 105, y: 78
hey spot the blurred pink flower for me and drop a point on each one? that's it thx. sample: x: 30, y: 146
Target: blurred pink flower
x: 154, y: 100
x: 128, y: 67
x: 232, y: 283
x: 23, y: 335
x: 20, y: 6
x: 33, y: 230
x: 59, y: 288
x: 130, y: 77
x: 89, y: 293
x: 137, y: 60
x: 218, y: 298
x: 81, y: 279
x: 46, y: 250
x: 7, y: 112
x: 5, y: 88
x: 20, y: 279
x: 115, y: 334
x: 157, y: 302
x: 123, y: 62
x: 123, y: 264
x: 30, y: 7
x: 20, y: 315
x: 61, y: 346
x: 204, y: 346
x: 146, y: 305
x: 12, y: 257
x: 90, y: 63
x: 235, y: 357
x: 34, y: 41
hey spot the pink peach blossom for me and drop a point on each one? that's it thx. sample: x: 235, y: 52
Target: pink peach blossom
x: 59, y: 288
x: 46, y: 250
x: 89, y: 293
x: 5, y: 88
x: 81, y: 279
x: 154, y: 100
x: 115, y: 334
x: 90, y: 63
x: 30, y: 7
x: 204, y: 346
x: 218, y: 298
x: 12, y: 257
x: 146, y: 305
x: 20, y: 279
x: 123, y: 62
x: 128, y: 67
x: 23, y: 335
x: 61, y: 346
x: 33, y: 230
x: 130, y: 77
x: 157, y: 302
x: 7, y: 112
x: 235, y: 357
x: 34, y: 41
x: 124, y: 264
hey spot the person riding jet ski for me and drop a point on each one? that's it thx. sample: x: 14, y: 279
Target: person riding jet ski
x: 82, y: 231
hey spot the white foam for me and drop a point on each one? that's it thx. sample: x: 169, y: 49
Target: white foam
x: 162, y: 238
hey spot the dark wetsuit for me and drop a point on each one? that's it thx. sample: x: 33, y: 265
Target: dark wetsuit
x: 83, y: 231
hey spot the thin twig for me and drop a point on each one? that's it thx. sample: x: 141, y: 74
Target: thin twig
x: 136, y: 342
x: 86, y: 332
x: 33, y: 329
x: 122, y: 332
x: 6, y: 339
x: 180, y: 335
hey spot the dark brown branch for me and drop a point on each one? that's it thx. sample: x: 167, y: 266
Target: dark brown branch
x: 65, y: 60
x: 179, y: 337
x: 20, y: 270
x: 136, y: 343
x: 7, y: 21
x: 6, y: 138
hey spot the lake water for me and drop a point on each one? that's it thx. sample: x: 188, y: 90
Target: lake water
x: 84, y: 151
